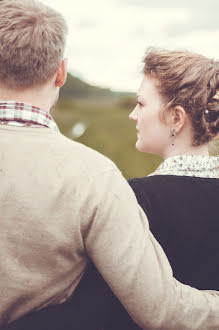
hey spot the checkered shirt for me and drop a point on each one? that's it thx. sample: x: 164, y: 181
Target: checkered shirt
x: 21, y: 114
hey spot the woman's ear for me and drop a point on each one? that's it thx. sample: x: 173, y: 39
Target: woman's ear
x: 61, y: 75
x: 178, y: 118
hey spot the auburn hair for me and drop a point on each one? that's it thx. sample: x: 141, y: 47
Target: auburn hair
x: 191, y: 81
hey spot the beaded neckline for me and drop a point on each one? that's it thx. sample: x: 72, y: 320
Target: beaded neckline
x: 190, y: 165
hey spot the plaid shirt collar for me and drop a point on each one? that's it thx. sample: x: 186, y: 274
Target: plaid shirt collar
x: 21, y: 114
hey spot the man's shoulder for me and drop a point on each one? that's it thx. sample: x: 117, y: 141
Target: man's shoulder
x: 82, y: 156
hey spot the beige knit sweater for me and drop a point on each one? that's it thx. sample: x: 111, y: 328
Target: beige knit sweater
x: 62, y: 203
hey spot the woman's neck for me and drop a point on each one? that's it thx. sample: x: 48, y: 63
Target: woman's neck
x: 183, y: 149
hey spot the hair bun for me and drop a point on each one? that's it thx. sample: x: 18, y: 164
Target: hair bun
x: 211, y: 115
x: 211, y: 119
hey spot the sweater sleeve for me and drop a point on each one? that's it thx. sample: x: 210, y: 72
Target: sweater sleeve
x: 117, y: 238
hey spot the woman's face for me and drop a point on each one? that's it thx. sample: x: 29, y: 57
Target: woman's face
x: 154, y: 136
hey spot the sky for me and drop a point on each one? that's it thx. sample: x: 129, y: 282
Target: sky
x: 107, y: 39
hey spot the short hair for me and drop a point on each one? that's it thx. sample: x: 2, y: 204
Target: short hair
x: 189, y: 80
x: 32, y: 43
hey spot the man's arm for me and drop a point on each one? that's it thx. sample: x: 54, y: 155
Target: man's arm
x: 132, y: 262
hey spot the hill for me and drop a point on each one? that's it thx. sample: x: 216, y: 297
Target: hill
x: 75, y: 88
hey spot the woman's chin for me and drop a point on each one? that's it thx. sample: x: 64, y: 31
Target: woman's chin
x: 144, y: 148
x: 140, y: 147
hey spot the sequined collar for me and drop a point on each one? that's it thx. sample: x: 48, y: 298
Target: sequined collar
x: 190, y: 165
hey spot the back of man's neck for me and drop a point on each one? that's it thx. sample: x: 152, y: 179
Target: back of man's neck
x: 30, y: 96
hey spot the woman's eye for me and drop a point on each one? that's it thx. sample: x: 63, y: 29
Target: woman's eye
x: 140, y: 104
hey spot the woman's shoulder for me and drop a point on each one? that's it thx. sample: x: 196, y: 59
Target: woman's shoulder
x: 140, y: 182
x: 145, y: 188
x: 152, y: 179
x: 169, y: 184
x: 157, y: 178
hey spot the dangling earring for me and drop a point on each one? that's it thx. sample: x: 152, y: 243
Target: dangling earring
x: 173, y: 134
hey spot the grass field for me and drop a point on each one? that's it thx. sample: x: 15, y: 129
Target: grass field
x: 110, y: 132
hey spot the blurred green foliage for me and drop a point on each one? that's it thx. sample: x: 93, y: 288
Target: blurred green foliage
x: 214, y: 148
x: 109, y: 131
x: 127, y: 102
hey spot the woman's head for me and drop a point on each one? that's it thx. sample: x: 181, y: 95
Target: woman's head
x: 189, y: 82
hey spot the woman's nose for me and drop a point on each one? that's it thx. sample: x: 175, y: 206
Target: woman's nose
x: 133, y: 115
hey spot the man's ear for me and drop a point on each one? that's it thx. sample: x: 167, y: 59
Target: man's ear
x: 178, y: 118
x: 61, y: 74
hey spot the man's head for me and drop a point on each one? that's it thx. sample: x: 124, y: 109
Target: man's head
x: 32, y: 42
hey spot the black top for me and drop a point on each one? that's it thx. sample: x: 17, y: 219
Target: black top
x: 183, y: 214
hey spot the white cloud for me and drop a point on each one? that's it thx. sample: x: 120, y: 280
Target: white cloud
x: 107, y: 39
